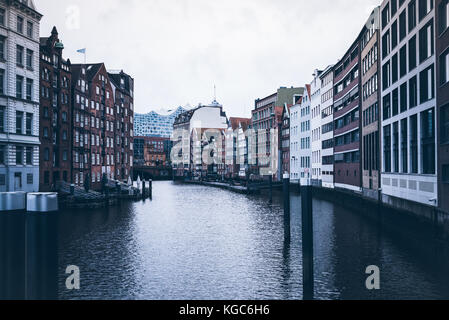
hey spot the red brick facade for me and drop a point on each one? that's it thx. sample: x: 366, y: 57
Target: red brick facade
x: 55, y: 114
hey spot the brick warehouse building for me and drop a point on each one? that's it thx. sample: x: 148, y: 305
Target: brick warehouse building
x: 347, y: 120
x: 123, y: 92
x: 102, y: 125
x: 81, y: 122
x: 102, y: 120
x: 55, y: 114
x: 442, y: 54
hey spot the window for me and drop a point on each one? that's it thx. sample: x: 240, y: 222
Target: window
x: 45, y: 132
x: 30, y: 59
x: 427, y: 85
x: 2, y: 155
x: 386, y: 45
x: 29, y: 90
x: 443, y: 12
x: 414, y: 143
x: 404, y: 145
x: 426, y: 42
x: 29, y: 178
x: 29, y: 155
x: 425, y: 6
x: 46, y: 154
x: 29, y: 124
x: 2, y: 16
x: 444, y: 124
x: 385, y: 16
x: 386, y: 76
x: 403, y: 61
x: 19, y: 56
x: 2, y: 48
x: 413, y: 94
x: 444, y: 67
x: 394, y: 68
x: 395, y: 98
x: 394, y: 35
x: 19, y: 155
x: 428, y: 141
x: 387, y: 148
x: 386, y: 107
x: 19, y: 87
x: 2, y: 81
x: 2, y: 119
x: 403, y: 94
x: 411, y: 15
x: 29, y: 29
x: 402, y: 26
x: 19, y: 122
x: 396, y: 147
x: 412, y: 54
x: 19, y: 24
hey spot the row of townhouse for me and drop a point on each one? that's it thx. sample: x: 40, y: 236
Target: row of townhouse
x: 378, y: 120
x: 58, y: 121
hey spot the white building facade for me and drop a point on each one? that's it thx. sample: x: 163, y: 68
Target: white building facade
x: 19, y: 96
x: 295, y: 142
x: 305, y: 147
x: 327, y: 127
x: 315, y: 126
x: 409, y: 126
x: 190, y: 124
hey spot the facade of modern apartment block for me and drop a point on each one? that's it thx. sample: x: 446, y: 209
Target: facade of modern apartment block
x: 156, y: 124
x: 442, y: 85
x: 347, y: 100
x: 19, y: 96
x: 327, y: 127
x: 408, y: 100
x: 315, y: 127
x: 55, y: 114
x: 369, y: 43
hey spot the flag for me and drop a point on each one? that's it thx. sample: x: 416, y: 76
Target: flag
x: 81, y: 51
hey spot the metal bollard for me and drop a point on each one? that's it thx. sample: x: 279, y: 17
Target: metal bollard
x: 307, y: 239
x: 286, y: 194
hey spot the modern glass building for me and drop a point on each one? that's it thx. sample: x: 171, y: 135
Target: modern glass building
x: 155, y: 124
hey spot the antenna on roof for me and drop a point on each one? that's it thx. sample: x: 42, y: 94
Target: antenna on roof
x: 215, y: 92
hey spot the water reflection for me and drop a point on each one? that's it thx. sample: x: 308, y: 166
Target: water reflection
x: 193, y: 242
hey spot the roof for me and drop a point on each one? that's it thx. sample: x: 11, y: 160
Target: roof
x: 235, y: 123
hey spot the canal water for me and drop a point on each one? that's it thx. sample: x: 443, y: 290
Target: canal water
x: 195, y: 242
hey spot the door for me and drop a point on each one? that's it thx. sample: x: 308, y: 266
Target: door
x: 17, y: 181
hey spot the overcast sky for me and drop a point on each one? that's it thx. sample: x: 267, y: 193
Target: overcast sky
x: 176, y: 50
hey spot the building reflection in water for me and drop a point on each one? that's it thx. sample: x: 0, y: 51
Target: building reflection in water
x: 28, y: 256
